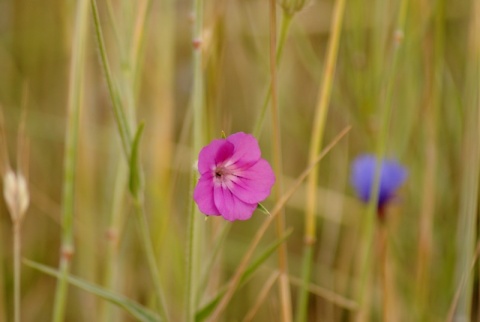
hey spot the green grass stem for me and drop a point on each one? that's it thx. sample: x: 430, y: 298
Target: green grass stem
x: 75, y: 92
x: 111, y: 264
x: 195, y: 231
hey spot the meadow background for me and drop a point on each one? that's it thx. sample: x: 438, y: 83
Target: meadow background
x: 405, y: 77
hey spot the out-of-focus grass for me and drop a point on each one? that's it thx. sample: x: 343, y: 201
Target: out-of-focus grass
x: 433, y: 130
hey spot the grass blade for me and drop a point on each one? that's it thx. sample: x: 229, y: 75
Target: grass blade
x: 136, y: 310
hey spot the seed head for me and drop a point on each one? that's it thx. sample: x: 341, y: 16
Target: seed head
x: 15, y: 192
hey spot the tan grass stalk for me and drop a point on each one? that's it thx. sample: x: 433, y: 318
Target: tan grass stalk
x: 326, y: 294
x: 315, y: 146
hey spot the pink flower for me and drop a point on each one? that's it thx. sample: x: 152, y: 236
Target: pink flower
x: 233, y: 177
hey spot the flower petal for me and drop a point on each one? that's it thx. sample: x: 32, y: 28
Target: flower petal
x: 224, y: 152
x: 392, y: 177
x: 230, y: 207
x: 246, y: 148
x: 213, y: 153
x: 363, y: 170
x: 203, y: 195
x: 254, y: 184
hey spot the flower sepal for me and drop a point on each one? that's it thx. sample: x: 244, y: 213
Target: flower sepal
x: 263, y: 209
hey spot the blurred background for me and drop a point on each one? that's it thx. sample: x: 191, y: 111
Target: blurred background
x: 433, y: 131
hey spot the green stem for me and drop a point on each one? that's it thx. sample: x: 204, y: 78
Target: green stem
x: 74, y: 103
x: 194, y: 244
x: 192, y: 260
x: 110, y: 276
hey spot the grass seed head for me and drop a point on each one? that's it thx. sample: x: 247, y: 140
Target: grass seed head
x: 15, y: 192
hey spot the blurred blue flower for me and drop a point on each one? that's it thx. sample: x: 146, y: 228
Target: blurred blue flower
x: 392, y: 176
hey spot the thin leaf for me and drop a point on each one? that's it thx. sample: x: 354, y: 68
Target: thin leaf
x: 263, y: 257
x: 136, y: 310
x: 205, y: 311
x: 135, y: 181
x: 208, y: 309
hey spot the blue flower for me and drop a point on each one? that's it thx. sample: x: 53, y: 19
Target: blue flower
x: 392, y: 176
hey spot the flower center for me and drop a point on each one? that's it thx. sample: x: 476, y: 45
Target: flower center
x: 218, y: 173
x: 223, y: 174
